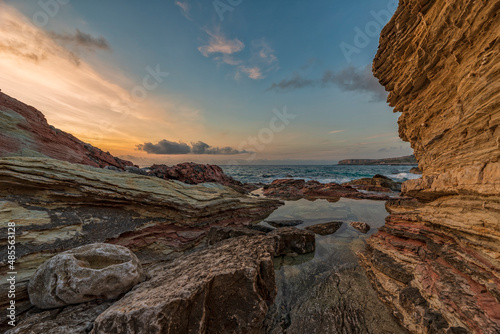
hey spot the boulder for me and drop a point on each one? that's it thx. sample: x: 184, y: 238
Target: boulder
x: 222, y: 289
x: 360, y: 226
x: 325, y: 228
x: 293, y: 240
x: 95, y: 271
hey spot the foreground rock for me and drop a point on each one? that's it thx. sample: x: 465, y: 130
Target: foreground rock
x: 59, y: 206
x: 96, y: 271
x: 218, y: 233
x: 378, y: 183
x: 193, y: 173
x: 223, y: 289
x: 325, y: 228
x: 291, y: 189
x: 24, y: 131
x: 436, y: 262
x: 360, y: 226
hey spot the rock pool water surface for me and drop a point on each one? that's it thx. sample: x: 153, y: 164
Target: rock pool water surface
x: 328, y: 291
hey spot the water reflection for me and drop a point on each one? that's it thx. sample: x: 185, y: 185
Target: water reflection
x: 327, y: 291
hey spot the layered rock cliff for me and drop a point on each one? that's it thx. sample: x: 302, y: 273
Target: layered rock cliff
x: 25, y: 132
x: 58, y: 205
x: 437, y: 260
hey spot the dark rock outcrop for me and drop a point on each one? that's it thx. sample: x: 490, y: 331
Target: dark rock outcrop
x: 293, y: 240
x: 378, y: 183
x: 219, y: 233
x: 25, y: 132
x: 292, y: 189
x: 284, y: 223
x: 440, y: 61
x: 193, y: 173
x: 360, y: 226
x: 226, y: 288
x: 325, y: 228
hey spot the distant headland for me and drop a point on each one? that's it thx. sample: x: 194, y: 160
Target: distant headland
x: 406, y: 160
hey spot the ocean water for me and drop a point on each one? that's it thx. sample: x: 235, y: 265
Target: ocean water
x: 323, y: 174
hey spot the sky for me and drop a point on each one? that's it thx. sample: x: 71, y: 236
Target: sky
x: 224, y: 81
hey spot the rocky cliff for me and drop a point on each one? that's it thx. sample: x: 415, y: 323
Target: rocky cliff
x: 25, y: 132
x: 58, y: 205
x: 437, y: 260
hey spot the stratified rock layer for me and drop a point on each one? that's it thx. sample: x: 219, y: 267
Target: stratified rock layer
x: 25, y: 132
x: 437, y: 261
x: 57, y: 206
x: 223, y: 289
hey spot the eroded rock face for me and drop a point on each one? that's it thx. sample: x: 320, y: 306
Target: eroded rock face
x: 218, y: 233
x: 95, y: 271
x: 440, y: 61
x: 58, y: 206
x: 292, y: 189
x: 25, y: 132
x: 226, y: 288
x: 378, y: 183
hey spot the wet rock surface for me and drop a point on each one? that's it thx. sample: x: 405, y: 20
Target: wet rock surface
x: 325, y: 228
x: 217, y: 233
x: 291, y: 189
x: 95, y: 271
x: 226, y: 288
x: 284, y: 223
x: 293, y: 240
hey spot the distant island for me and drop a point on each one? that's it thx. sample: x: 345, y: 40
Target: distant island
x: 406, y: 160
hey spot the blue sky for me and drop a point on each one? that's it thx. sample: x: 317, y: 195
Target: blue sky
x: 229, y: 63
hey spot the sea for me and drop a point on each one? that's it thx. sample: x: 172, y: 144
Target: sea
x: 323, y: 173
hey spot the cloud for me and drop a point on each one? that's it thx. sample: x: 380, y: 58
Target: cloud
x: 81, y: 40
x: 352, y: 79
x: 295, y: 82
x: 169, y: 147
x: 165, y: 147
x: 252, y: 72
x: 262, y: 58
x: 185, y: 8
x: 335, y: 131
x: 218, y: 43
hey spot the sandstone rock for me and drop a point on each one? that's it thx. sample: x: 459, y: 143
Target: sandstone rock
x: 360, y: 226
x: 284, y: 223
x: 95, y: 271
x: 293, y: 240
x: 193, y: 173
x: 217, y: 233
x: 223, y: 289
x: 58, y: 206
x: 325, y: 228
x: 440, y: 61
x: 292, y: 189
x: 25, y: 132
x: 378, y: 183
